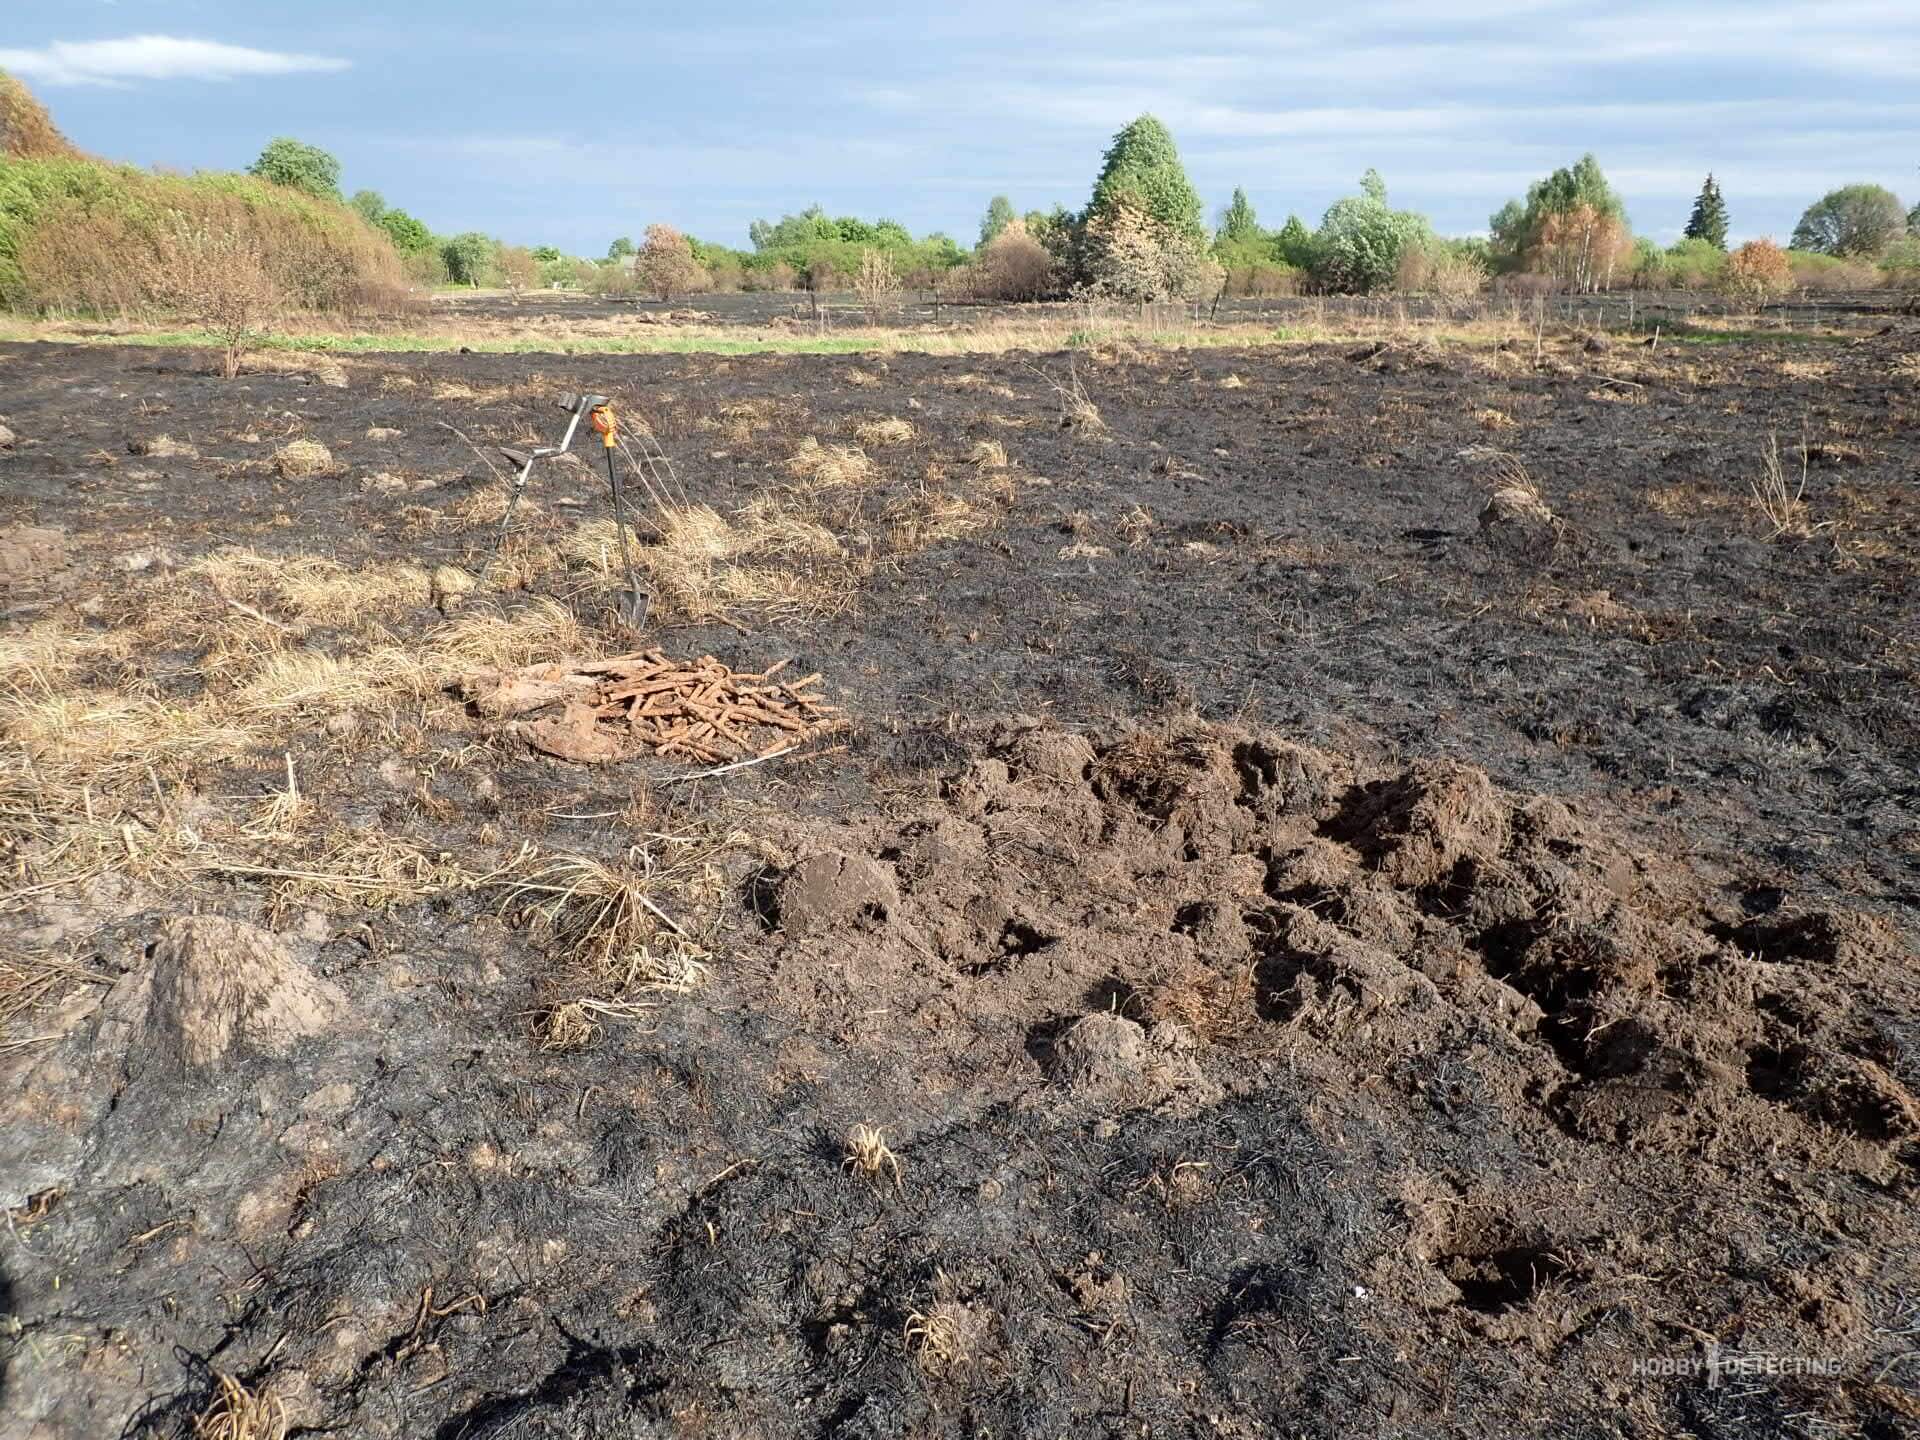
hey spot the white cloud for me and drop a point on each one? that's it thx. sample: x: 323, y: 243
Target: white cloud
x: 154, y: 57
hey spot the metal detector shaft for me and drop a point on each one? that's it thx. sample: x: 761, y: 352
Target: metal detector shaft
x: 634, y: 613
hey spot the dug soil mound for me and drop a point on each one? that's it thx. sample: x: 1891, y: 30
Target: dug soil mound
x: 1225, y: 1082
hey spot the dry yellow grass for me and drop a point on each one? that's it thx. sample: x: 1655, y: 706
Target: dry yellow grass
x: 988, y: 455
x: 236, y: 1413
x: 541, y: 630
x: 310, y: 587
x: 868, y: 1156
x: 41, y: 656
x: 303, y: 458
x: 880, y: 433
x: 825, y: 466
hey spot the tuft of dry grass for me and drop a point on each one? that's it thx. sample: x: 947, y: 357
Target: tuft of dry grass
x: 988, y: 455
x: 868, y: 1155
x: 1135, y: 525
x: 543, y: 629
x: 309, y: 587
x: 880, y: 433
x: 828, y: 466
x: 42, y: 656
x: 237, y: 1413
x: 607, y: 919
x: 1233, y: 382
x: 303, y: 458
x: 1492, y: 419
x: 936, y: 1337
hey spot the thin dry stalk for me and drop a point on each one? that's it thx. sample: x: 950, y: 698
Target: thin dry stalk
x: 1781, y: 502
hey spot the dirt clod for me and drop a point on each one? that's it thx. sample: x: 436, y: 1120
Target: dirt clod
x: 831, y: 889
x: 219, y: 984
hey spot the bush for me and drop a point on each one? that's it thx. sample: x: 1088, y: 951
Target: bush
x: 665, y: 266
x: 1900, y: 266
x: 1128, y: 255
x: 1013, y: 266
x: 610, y: 277
x: 1757, y: 272
x: 770, y: 275
x: 516, y: 267
x: 877, y: 283
x: 298, y: 166
x: 216, y: 273
x: 27, y: 132
x: 1360, y: 241
x: 1828, y: 272
x: 1449, y: 273
x: 1694, y: 264
x: 469, y: 256
x: 84, y: 237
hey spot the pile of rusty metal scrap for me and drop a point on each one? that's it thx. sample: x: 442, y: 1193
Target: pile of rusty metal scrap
x: 700, y: 710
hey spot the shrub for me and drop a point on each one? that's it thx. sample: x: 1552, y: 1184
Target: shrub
x: 1756, y: 272
x: 770, y: 275
x: 1855, y: 220
x: 1447, y: 272
x: 610, y: 277
x: 1693, y: 264
x: 468, y: 256
x: 216, y: 273
x: 516, y: 267
x: 1829, y: 272
x: 1361, y: 239
x: 1013, y: 266
x: 876, y: 282
x: 1128, y: 255
x: 86, y: 237
x: 298, y: 166
x: 665, y: 266
x: 27, y: 132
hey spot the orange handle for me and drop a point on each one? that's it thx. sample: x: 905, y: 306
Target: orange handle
x: 601, y: 418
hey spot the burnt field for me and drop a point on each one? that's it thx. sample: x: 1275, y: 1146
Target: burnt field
x: 1348, y: 891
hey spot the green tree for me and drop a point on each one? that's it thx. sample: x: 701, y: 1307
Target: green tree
x: 1239, y: 224
x: 1144, y: 163
x: 1855, y: 220
x: 1293, y: 245
x: 1913, y: 219
x: 620, y: 248
x: 370, y: 204
x: 1361, y: 239
x: 408, y: 235
x: 1516, y: 226
x: 1709, y: 219
x: 299, y: 166
x: 468, y: 256
x: 546, y: 254
x: 999, y: 215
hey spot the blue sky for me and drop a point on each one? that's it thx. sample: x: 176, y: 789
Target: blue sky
x: 569, y: 125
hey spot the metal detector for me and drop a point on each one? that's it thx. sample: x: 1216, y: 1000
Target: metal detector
x: 632, y: 604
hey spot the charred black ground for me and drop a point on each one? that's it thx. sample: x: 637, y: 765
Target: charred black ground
x: 1322, y: 963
